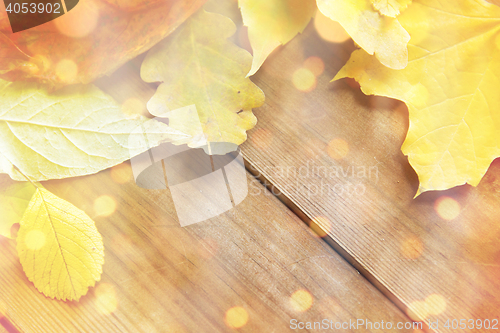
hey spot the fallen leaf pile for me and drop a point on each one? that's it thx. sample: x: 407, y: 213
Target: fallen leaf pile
x: 441, y: 58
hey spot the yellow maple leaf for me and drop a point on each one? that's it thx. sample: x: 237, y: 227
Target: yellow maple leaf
x: 13, y: 202
x: 450, y: 87
x: 272, y: 23
x: 390, y: 8
x: 199, y: 67
x: 76, y: 131
x: 375, y: 33
x: 59, y: 247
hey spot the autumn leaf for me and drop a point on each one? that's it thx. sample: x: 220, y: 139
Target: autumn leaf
x: 375, y: 33
x: 390, y: 8
x: 272, y: 23
x: 13, y: 202
x: 450, y: 86
x: 77, y: 131
x: 59, y: 247
x: 199, y: 67
x: 93, y: 39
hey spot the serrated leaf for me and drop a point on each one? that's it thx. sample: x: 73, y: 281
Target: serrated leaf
x: 450, y: 86
x: 390, y: 8
x: 199, y: 67
x: 93, y: 39
x: 375, y: 33
x: 59, y: 247
x: 13, y: 202
x: 272, y: 23
x: 76, y: 131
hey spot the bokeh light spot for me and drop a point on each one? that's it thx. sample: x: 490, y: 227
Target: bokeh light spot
x: 321, y: 226
x: 436, y: 304
x: 133, y: 107
x: 337, y: 149
x: 66, y: 70
x: 121, y: 173
x: 236, y: 317
x: 104, y: 205
x: 35, y: 240
x: 315, y: 65
x: 80, y: 21
x: 105, y: 301
x: 301, y: 300
x: 412, y: 248
x: 418, y: 311
x: 304, y: 80
x: 329, y: 30
x: 447, y: 208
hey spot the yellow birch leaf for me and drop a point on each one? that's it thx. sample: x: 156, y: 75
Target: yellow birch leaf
x: 13, y: 202
x: 390, y: 8
x: 272, y: 23
x: 375, y: 33
x: 59, y: 247
x: 76, y: 131
x: 199, y: 67
x: 450, y: 87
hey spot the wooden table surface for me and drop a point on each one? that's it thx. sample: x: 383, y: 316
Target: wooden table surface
x: 160, y: 277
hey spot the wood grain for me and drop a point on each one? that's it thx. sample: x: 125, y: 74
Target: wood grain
x: 366, y: 198
x: 165, y: 278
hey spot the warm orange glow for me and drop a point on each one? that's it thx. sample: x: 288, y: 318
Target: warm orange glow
x: 447, y: 208
x: 301, y: 300
x: 66, y: 70
x: 412, y: 248
x: 337, y: 149
x: 261, y: 138
x: 236, y: 317
x: 121, y: 173
x: 418, y: 311
x: 134, y: 107
x: 315, y: 65
x: 104, y: 205
x: 105, y: 298
x: 80, y: 21
x: 321, y: 226
x: 35, y: 240
x: 436, y: 304
x: 304, y: 80
x: 329, y: 30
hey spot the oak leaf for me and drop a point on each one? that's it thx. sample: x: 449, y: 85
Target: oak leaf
x: 93, y: 39
x: 203, y: 73
x: 272, y: 23
x: 59, y: 247
x: 375, y: 33
x: 77, y: 131
x: 450, y: 87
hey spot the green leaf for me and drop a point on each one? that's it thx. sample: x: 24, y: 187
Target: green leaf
x: 76, y: 131
x: 59, y: 247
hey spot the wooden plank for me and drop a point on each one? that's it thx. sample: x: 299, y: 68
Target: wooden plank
x: 160, y: 277
x: 364, y: 200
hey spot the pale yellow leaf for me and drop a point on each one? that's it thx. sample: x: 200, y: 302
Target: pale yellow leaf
x: 14, y: 200
x: 272, y: 23
x: 203, y: 73
x: 390, y: 8
x: 76, y: 131
x: 59, y: 247
x: 375, y: 33
x: 450, y: 86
